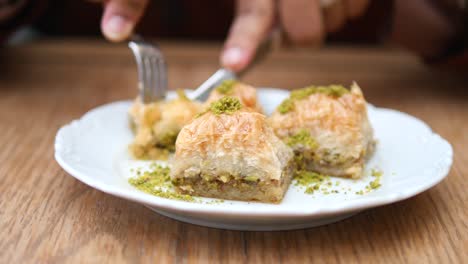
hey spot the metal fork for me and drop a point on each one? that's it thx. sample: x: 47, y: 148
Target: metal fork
x: 152, y: 72
x: 203, y: 91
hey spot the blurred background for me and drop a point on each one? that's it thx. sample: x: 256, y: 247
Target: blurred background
x: 167, y: 19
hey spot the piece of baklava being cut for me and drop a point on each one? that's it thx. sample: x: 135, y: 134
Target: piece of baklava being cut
x: 328, y: 129
x: 230, y: 152
x: 246, y: 94
x: 156, y: 125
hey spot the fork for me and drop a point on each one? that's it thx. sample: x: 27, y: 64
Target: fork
x: 222, y: 74
x: 152, y: 72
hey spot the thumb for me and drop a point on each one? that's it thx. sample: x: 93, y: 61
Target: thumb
x: 253, y: 21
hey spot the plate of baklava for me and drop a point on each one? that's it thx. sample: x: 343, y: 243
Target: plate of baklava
x: 255, y: 158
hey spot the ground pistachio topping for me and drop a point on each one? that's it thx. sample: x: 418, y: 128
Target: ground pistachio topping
x: 375, y: 184
x: 225, y: 105
x: 331, y: 90
x: 313, y: 182
x: 303, y: 138
x: 157, y: 182
x: 376, y: 172
x: 286, y: 106
x: 226, y: 87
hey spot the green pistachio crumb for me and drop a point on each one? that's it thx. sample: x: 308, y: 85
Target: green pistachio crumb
x: 226, y: 87
x: 376, y: 172
x: 313, y: 182
x: 224, y: 178
x: 302, y: 138
x: 251, y: 178
x: 225, y: 105
x: 306, y: 178
x: 286, y: 106
x: 331, y: 90
x: 375, y: 184
x: 157, y: 181
x: 311, y: 189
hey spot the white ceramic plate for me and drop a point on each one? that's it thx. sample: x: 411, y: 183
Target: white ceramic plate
x: 413, y: 159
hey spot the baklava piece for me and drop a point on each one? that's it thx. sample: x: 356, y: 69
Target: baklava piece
x: 328, y: 129
x: 156, y: 125
x: 246, y: 94
x: 230, y: 152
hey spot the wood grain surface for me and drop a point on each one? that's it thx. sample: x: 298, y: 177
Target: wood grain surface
x: 46, y: 216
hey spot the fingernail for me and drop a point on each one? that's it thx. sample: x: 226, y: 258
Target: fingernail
x: 118, y: 28
x: 233, y: 56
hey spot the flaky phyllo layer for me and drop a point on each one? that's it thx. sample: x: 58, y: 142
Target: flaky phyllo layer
x: 240, y: 144
x: 328, y: 129
x: 156, y: 125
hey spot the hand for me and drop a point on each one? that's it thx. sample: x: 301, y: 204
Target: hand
x: 120, y: 17
x: 305, y: 22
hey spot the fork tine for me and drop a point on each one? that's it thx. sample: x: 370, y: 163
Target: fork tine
x: 162, y: 80
x: 164, y: 73
x: 156, y: 85
x: 158, y: 89
x: 151, y: 70
x: 148, y: 79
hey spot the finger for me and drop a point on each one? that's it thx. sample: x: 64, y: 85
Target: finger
x: 120, y: 17
x: 356, y: 8
x: 302, y: 21
x: 254, y: 19
x: 334, y: 16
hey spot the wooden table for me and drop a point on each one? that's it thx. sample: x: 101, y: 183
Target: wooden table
x: 46, y: 216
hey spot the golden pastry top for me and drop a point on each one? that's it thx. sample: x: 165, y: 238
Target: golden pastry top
x: 239, y: 143
x: 301, y: 94
x: 335, y: 110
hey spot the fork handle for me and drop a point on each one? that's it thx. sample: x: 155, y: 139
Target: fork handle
x: 203, y: 91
